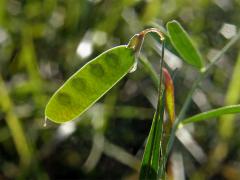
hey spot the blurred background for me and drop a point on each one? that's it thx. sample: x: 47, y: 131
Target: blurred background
x: 42, y: 43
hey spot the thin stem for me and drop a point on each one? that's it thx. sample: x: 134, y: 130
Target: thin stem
x: 224, y: 49
x: 160, y: 98
x: 137, y: 40
x: 146, y: 31
x: 160, y: 77
x: 203, y: 74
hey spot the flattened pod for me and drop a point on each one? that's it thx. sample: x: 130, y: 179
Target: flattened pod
x: 89, y: 84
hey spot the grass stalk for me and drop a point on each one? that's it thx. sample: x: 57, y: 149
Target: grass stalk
x: 15, y: 127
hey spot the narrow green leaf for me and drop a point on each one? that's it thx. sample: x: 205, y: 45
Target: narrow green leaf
x: 89, y: 84
x: 151, y: 156
x: 213, y: 113
x: 226, y: 124
x: 151, y: 167
x: 183, y: 44
x: 15, y: 125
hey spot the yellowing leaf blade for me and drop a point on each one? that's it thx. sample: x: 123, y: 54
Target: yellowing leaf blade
x: 169, y: 93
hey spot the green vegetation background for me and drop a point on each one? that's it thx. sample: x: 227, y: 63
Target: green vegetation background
x: 40, y: 47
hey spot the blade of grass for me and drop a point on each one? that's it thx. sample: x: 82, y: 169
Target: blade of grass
x: 120, y: 155
x: 150, y: 161
x: 16, y: 130
x: 232, y: 109
x: 226, y: 125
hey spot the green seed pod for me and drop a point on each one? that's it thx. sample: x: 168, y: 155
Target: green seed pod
x: 89, y: 84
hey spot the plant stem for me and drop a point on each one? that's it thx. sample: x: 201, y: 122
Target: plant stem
x: 19, y: 138
x: 217, y: 57
x: 201, y: 76
x: 137, y: 40
x: 153, y: 149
